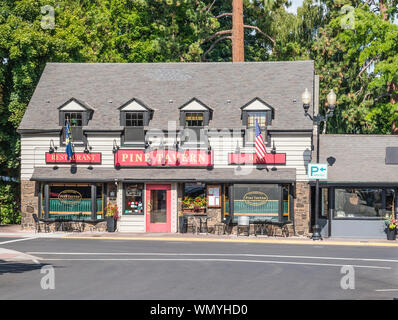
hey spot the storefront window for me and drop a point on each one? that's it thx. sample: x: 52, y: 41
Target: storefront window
x: 286, y: 208
x: 73, y: 201
x: 194, y: 190
x: 194, y: 193
x: 359, y: 203
x: 324, y: 203
x: 226, y: 200
x: 134, y: 199
x: 390, y: 196
x: 257, y: 200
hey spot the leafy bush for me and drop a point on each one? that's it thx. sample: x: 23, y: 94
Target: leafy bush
x: 9, y: 207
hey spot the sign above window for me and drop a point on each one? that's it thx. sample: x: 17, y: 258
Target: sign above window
x: 186, y: 158
x: 251, y: 158
x: 78, y: 157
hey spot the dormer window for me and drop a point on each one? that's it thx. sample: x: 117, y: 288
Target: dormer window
x: 194, y: 117
x: 195, y: 113
x: 134, y: 116
x: 260, y: 116
x: 134, y: 119
x: 258, y: 110
x: 78, y: 114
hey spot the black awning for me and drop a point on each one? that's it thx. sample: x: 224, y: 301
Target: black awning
x: 97, y: 174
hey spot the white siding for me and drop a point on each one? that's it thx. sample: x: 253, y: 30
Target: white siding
x: 34, y: 148
x: 296, y: 147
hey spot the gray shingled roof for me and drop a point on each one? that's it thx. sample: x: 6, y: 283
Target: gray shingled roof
x: 98, y: 174
x: 155, y: 84
x: 359, y: 158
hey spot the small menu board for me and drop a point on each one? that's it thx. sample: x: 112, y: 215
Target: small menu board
x: 213, y: 196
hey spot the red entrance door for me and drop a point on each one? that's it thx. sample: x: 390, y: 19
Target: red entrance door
x: 158, y: 208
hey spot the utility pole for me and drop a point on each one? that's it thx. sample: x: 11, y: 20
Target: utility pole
x: 236, y: 34
x: 238, y: 51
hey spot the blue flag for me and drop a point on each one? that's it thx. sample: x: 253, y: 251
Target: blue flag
x: 68, y: 140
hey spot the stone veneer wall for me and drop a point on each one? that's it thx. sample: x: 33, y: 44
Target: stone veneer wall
x: 29, y: 203
x: 302, y: 206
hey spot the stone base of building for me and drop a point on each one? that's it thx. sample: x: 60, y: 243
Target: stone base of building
x: 302, y: 207
x: 29, y: 203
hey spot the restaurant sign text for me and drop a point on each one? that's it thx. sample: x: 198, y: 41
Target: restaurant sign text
x: 77, y: 157
x: 186, y: 158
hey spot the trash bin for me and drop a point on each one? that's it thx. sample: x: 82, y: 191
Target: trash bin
x: 183, y: 224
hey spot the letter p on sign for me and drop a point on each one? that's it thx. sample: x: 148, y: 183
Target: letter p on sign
x: 317, y: 171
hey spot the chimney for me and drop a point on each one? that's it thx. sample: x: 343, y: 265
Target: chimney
x: 238, y: 52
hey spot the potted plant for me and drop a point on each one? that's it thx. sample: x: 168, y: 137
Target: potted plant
x: 112, y: 214
x: 187, y: 205
x: 197, y: 205
x: 391, y: 224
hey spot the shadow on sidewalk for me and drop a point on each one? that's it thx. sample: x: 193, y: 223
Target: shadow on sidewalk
x: 19, y: 267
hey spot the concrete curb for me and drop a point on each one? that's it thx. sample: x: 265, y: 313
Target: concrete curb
x: 240, y: 240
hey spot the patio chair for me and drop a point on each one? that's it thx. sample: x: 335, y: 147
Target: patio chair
x: 38, y: 223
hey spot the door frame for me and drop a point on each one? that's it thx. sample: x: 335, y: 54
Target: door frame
x: 160, y: 227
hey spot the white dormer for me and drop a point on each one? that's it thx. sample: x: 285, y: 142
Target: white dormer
x: 133, y: 105
x: 257, y: 105
x: 195, y: 113
x: 257, y: 109
x: 78, y: 113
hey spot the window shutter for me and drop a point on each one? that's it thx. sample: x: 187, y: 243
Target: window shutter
x: 61, y: 118
x: 132, y: 134
x: 206, y: 118
x: 182, y: 118
x: 244, y: 118
x: 122, y: 118
x: 146, y: 118
x: 77, y: 134
x: 85, y: 115
x: 269, y: 117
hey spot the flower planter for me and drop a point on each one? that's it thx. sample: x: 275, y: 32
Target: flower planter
x: 110, y: 224
x: 194, y: 211
x: 391, y: 234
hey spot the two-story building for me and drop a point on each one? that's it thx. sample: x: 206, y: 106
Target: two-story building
x: 147, y: 136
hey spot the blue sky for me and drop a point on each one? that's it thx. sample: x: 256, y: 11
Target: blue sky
x: 294, y: 6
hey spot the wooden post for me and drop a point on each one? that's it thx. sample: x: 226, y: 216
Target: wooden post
x: 238, y: 52
x: 46, y: 200
x: 93, y: 201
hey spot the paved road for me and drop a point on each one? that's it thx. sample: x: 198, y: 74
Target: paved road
x: 122, y: 269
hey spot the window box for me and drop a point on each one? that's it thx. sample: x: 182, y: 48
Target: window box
x: 194, y: 211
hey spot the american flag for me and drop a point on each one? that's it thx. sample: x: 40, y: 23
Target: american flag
x: 260, y: 145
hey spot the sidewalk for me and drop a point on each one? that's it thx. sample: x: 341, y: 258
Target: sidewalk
x: 16, y: 231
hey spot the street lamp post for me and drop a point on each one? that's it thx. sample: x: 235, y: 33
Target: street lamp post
x: 317, y: 119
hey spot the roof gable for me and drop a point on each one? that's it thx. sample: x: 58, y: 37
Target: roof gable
x: 74, y: 105
x: 194, y: 105
x: 257, y: 105
x: 134, y: 105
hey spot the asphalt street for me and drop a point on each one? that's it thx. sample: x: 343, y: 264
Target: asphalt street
x: 126, y: 269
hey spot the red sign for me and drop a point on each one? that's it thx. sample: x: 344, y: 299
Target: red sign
x: 186, y: 158
x: 250, y: 158
x: 78, y: 157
